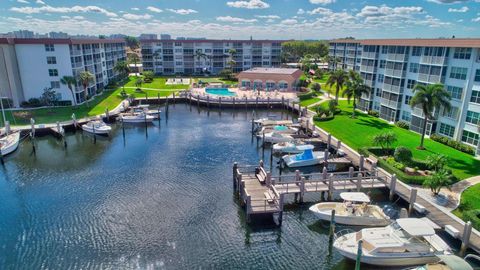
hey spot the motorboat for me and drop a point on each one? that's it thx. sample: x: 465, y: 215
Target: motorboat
x: 447, y: 262
x: 290, y: 147
x: 141, y: 117
x: 355, y: 210
x: 306, y: 158
x: 275, y: 137
x: 145, y: 109
x: 97, y: 127
x: 406, y: 242
x: 9, y: 143
x: 279, y: 129
x: 265, y: 122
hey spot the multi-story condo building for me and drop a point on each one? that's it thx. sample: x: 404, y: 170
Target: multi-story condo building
x: 392, y: 67
x: 211, y: 56
x: 27, y: 66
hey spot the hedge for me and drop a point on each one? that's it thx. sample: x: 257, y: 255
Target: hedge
x: 473, y: 216
x: 409, y: 179
x: 323, y: 119
x: 454, y: 144
x: 306, y: 96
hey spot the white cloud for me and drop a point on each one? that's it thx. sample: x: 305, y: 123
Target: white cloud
x: 320, y: 11
x: 78, y: 17
x: 251, y: 4
x: 23, y: 1
x: 135, y: 8
x: 448, y: 1
x: 476, y: 19
x: 235, y: 19
x: 182, y: 11
x: 459, y: 10
x: 322, y: 2
x: 154, y: 9
x: 289, y: 21
x: 378, y: 11
x: 300, y: 11
x: 270, y: 17
x: 135, y: 17
x: 50, y: 9
x: 40, y: 2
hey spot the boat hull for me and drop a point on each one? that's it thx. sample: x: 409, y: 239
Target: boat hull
x: 391, y: 261
x: 100, y: 131
x: 147, y: 119
x: 12, y: 144
x: 324, y: 212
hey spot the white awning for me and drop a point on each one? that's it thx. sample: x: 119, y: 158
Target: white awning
x: 415, y: 227
x: 355, y: 197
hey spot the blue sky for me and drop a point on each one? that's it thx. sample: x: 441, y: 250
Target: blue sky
x: 273, y: 19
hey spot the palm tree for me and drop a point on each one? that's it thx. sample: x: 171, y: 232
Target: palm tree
x: 339, y: 78
x: 429, y: 97
x: 199, y: 55
x: 231, y: 62
x: 70, y: 82
x: 85, y: 78
x: 355, y: 89
x: 122, y: 68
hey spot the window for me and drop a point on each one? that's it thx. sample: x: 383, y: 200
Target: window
x: 455, y: 92
x: 376, y: 106
x: 178, y: 44
x: 417, y: 51
x: 414, y: 67
x: 208, y: 50
x: 407, y: 99
x: 470, y: 137
x: 178, y: 63
x: 452, y: 113
x: 53, y: 72
x: 458, y: 73
x: 446, y: 130
x: 472, y: 117
x: 51, y: 60
x: 378, y: 93
x: 380, y: 78
x: 384, y: 49
x: 462, y: 53
x: 49, y: 48
x: 411, y: 83
x: 55, y: 84
x: 178, y: 50
x: 477, y: 75
x: 406, y: 116
x: 475, y: 97
x: 382, y: 63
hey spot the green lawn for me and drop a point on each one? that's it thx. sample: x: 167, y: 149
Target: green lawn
x: 157, y: 83
x: 359, y: 132
x: 309, y: 101
x: 469, y: 200
x: 214, y: 79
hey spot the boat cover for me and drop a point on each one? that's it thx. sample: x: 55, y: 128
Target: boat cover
x: 355, y: 197
x: 415, y: 227
x: 306, y: 155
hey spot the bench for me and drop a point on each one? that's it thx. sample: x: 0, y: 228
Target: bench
x: 270, y: 196
x: 452, y: 231
x: 261, y: 175
x: 372, y: 160
x: 419, y: 208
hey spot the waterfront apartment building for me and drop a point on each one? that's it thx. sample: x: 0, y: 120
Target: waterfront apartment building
x: 27, y: 66
x: 391, y: 68
x: 199, y: 56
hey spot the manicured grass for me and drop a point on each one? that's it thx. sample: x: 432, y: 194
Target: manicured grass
x: 469, y: 200
x: 157, y: 83
x: 214, y: 79
x: 359, y: 132
x: 309, y: 101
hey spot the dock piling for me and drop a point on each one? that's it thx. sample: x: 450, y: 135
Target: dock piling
x: 332, y: 225
x: 302, y: 188
x: 359, y: 255
x: 361, y: 163
x: 330, y: 188
x: 411, y: 201
x: 235, y: 168
x: 329, y: 141
x: 393, y: 184
x: 467, y: 231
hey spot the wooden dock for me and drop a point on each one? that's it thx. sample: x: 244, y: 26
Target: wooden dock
x: 261, y: 193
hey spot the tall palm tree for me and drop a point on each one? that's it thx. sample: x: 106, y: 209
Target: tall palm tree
x: 85, y: 78
x: 355, y: 89
x: 199, y: 55
x: 70, y: 82
x: 231, y: 62
x: 429, y: 97
x: 122, y: 68
x: 339, y: 78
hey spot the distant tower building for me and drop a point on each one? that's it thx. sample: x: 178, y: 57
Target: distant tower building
x: 57, y: 35
x: 165, y: 36
x: 148, y: 36
x: 23, y: 34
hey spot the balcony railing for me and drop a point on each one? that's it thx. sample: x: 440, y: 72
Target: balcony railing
x: 77, y: 64
x: 369, y: 83
x: 396, y: 57
x: 371, y: 55
x: 392, y: 88
x: 432, y: 60
x: 389, y: 103
x: 394, y: 72
x: 87, y: 51
x: 76, y: 52
x: 369, y: 69
x: 429, y: 78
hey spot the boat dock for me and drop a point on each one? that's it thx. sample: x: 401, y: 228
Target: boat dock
x: 261, y: 193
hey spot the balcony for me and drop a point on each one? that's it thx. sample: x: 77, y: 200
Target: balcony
x: 389, y: 103
x: 368, y: 69
x: 370, y: 55
x: 77, y: 64
x: 87, y: 51
x: 75, y: 52
x: 394, y: 73
x: 88, y: 62
x: 96, y: 50
x: 429, y: 78
x: 369, y: 83
x: 392, y: 88
x: 396, y: 57
x: 432, y: 60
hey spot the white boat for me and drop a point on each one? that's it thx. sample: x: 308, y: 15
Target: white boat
x: 263, y: 122
x: 9, y: 143
x: 350, y: 212
x: 290, y: 147
x: 275, y: 137
x: 306, y: 158
x: 145, y: 109
x: 97, y: 127
x: 279, y: 129
x: 407, y: 242
x: 136, y: 117
x: 447, y: 262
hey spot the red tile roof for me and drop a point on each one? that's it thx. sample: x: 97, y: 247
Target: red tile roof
x: 437, y: 42
x: 58, y: 40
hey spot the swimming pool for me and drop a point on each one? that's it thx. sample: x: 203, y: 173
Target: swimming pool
x: 220, y: 92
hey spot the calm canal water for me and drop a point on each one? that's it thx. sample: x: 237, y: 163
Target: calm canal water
x: 160, y: 199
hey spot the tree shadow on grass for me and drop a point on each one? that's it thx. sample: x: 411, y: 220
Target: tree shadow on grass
x: 373, y: 123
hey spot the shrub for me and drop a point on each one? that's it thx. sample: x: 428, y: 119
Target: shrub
x: 323, y: 118
x: 395, y: 164
x: 454, y: 144
x: 148, y: 76
x: 373, y: 113
x: 385, y: 140
x: 403, y: 124
x: 403, y: 155
x: 307, y: 95
x: 32, y: 103
x: 473, y: 216
x: 316, y: 87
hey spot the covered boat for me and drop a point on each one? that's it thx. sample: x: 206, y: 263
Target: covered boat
x: 97, y: 127
x: 141, y: 117
x: 306, y: 158
x: 291, y: 148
